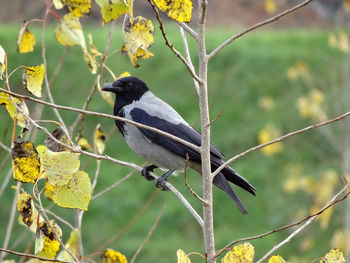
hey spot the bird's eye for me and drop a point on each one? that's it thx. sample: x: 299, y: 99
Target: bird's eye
x: 129, y: 85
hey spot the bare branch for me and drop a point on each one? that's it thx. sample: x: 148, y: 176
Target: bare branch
x: 192, y: 146
x: 188, y: 57
x: 132, y: 221
x: 43, y: 54
x: 81, y: 116
x: 177, y: 53
x: 267, y: 21
x: 5, y: 147
x: 59, y: 218
x: 6, y: 181
x: 114, y: 185
x: 189, y: 188
x: 295, y: 232
x: 43, y: 212
x: 10, y: 222
x: 188, y: 29
x: 330, y: 204
x: 338, y: 118
x: 148, y: 235
x: 31, y: 256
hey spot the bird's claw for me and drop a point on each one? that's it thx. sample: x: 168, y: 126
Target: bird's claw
x: 146, y: 170
x: 160, y: 183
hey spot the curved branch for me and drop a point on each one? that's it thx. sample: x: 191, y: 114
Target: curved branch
x: 265, y: 22
x: 192, y: 146
x: 313, y: 126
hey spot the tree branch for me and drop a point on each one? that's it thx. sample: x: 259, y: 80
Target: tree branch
x: 330, y: 204
x: 32, y: 256
x: 177, y: 53
x: 148, y: 235
x: 192, y: 146
x: 338, y: 118
x: 265, y: 22
x: 294, y: 233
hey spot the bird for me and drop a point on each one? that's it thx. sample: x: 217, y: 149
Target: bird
x: 135, y: 101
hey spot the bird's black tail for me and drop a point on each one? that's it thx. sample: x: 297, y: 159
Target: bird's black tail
x: 228, y: 174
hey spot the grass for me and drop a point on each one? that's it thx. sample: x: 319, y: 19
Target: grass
x: 252, y: 67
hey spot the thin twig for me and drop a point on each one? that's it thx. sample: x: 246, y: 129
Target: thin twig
x: 81, y: 117
x: 43, y: 54
x: 31, y: 256
x: 5, y: 147
x: 148, y: 235
x: 43, y: 212
x: 260, y: 24
x: 114, y: 185
x: 330, y: 204
x: 216, y: 117
x: 177, y: 139
x: 188, y: 56
x: 6, y: 181
x: 177, y: 53
x: 313, y: 126
x: 11, y: 221
x: 188, y: 29
x: 294, y: 233
x: 60, y: 219
x: 131, y: 222
x: 189, y: 188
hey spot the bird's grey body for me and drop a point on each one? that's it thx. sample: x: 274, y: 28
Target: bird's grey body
x: 134, y: 101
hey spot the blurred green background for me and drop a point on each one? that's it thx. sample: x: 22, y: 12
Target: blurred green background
x: 251, y: 71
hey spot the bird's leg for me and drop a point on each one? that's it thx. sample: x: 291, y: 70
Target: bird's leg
x: 161, y: 180
x: 145, y: 171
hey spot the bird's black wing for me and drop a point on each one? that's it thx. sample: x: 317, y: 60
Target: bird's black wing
x: 180, y: 130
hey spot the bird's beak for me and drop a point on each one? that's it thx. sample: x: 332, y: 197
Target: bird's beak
x: 108, y: 87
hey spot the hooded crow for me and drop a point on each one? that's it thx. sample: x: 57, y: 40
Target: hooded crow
x: 134, y: 101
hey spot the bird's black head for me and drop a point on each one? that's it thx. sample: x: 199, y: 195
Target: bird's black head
x: 130, y: 87
x: 127, y: 90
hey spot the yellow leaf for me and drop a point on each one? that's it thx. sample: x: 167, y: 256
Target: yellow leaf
x: 334, y: 256
x: 276, y: 259
x: 179, y: 10
x: 111, y: 9
x: 60, y: 135
x: 131, y: 7
x: 58, y: 4
x: 49, y: 188
x: 299, y: 70
x: 46, y: 243
x: 182, y: 257
x: 2, y: 61
x: 78, y: 7
x: 270, y: 6
x: 266, y: 103
x: 84, y: 144
x: 340, y: 239
x: 99, y: 139
x: 32, y: 79
x: 25, y: 40
x: 112, y: 256
x: 75, y: 194
x: 69, y: 32
x: 25, y: 207
x: 268, y: 133
x: 71, y: 245
x: 240, y: 254
x: 11, y: 108
x: 59, y: 166
x: 138, y: 38
x: 25, y: 162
